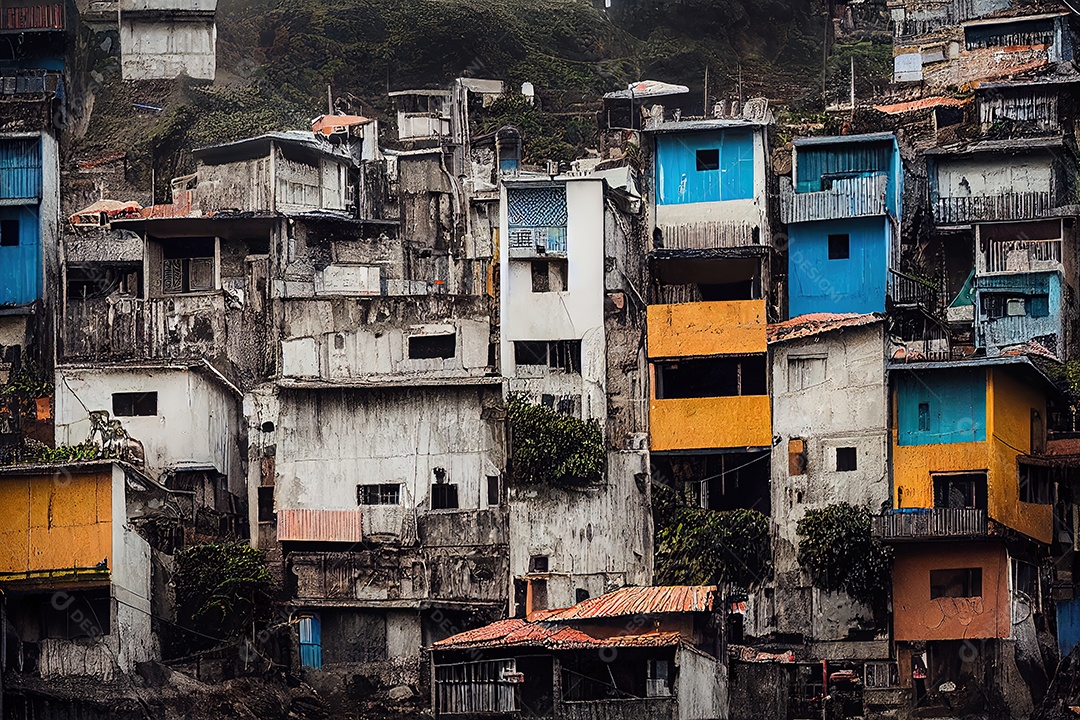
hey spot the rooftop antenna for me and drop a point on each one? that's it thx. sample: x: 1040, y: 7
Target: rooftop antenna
x: 329, y: 100
x: 853, y: 86
x: 705, y: 99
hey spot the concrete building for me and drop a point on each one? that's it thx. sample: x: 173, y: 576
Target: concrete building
x: 710, y: 299
x: 571, y: 338
x: 165, y: 39
x: 830, y: 426
x: 971, y: 522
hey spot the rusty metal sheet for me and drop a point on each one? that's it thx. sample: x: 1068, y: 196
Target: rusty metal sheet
x: 319, y: 525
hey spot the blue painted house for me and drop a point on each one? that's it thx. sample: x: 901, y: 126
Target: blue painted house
x: 842, y: 209
x: 21, y: 186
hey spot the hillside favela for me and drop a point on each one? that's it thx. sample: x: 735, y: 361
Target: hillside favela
x: 568, y: 359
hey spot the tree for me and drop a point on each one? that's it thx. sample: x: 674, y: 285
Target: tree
x: 838, y: 551
x: 552, y: 449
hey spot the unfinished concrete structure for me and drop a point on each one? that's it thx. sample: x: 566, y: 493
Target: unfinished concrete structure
x: 164, y: 39
x: 571, y: 338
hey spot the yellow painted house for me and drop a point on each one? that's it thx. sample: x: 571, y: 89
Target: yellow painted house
x: 961, y: 433
x: 709, y: 375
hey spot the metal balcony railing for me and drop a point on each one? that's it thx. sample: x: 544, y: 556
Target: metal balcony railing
x: 910, y: 291
x: 987, y: 208
x: 847, y: 198
x: 1009, y: 256
x: 930, y: 524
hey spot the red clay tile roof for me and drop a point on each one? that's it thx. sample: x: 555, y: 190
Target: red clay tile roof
x: 517, y: 632
x: 642, y: 601
x: 1062, y: 447
x: 814, y: 323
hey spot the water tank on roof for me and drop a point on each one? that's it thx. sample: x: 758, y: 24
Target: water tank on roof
x: 508, y: 148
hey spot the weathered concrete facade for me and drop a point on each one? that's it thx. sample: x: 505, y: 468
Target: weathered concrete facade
x: 164, y: 39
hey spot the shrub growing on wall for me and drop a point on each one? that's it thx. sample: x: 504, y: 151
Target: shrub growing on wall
x: 838, y: 551
x: 222, y: 591
x: 704, y: 547
x: 547, y: 448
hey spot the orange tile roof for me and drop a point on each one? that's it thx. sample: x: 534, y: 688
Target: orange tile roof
x: 903, y: 107
x: 815, y: 323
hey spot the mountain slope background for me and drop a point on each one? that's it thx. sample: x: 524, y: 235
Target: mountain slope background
x: 277, y: 57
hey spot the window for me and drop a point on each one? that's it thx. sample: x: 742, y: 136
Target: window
x: 1014, y: 307
x: 428, y: 347
x: 188, y: 266
x: 85, y: 614
x: 444, y: 497
x: 1035, y: 485
x: 960, y: 490
x: 713, y: 377
x: 9, y: 233
x: 384, y: 494
x: 1038, y: 432
x: 708, y: 159
x: 845, y: 459
x: 1025, y: 579
x: 556, y: 354
x: 796, y: 456
x: 492, y: 489
x: 838, y: 246
x: 266, y: 503
x: 924, y: 417
x: 538, y: 564
x: 132, y: 404
x: 581, y: 595
x: 804, y: 372
x: 310, y: 641
x: 958, y: 583
x: 658, y: 684
x: 548, y: 276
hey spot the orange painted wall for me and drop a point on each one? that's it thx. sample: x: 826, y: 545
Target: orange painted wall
x: 50, y: 524
x: 1013, y: 400
x: 918, y: 617
x: 707, y: 328
x: 1008, y: 431
x: 717, y: 422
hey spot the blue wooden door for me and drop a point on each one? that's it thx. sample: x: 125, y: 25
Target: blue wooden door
x: 310, y: 642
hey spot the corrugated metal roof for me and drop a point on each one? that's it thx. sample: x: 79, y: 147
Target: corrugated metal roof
x: 647, y: 89
x: 551, y: 636
x: 842, y: 139
x: 319, y: 525
x: 815, y: 323
x: 642, y: 601
x: 903, y: 107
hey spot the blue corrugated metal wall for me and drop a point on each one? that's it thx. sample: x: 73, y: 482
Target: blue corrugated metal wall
x: 953, y: 406
x: 311, y: 642
x: 1042, y: 317
x: 20, y: 264
x: 20, y: 223
x: 1068, y: 625
x: 856, y: 284
x: 678, y: 180
x: 841, y: 160
x: 20, y: 170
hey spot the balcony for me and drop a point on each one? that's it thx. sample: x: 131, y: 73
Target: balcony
x: 910, y: 291
x: 988, y: 208
x: 707, y: 235
x: 707, y: 328
x: 1017, y: 256
x: 536, y: 242
x: 128, y: 328
x: 918, y: 524
x: 738, y: 421
x: 847, y: 198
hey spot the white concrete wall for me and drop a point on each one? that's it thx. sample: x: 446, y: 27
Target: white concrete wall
x: 164, y: 48
x: 576, y: 314
x: 598, y: 539
x: 848, y: 409
x: 197, y: 420
x: 330, y: 441
x: 988, y: 174
x: 702, y: 688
